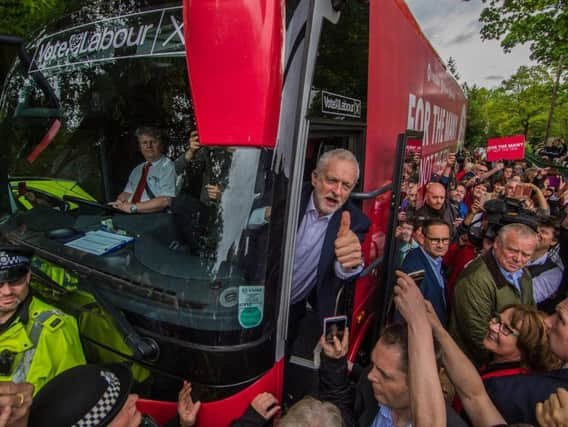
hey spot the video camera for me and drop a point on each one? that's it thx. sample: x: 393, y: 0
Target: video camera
x: 500, y: 212
x: 460, y: 157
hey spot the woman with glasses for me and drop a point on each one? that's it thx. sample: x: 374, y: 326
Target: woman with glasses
x: 518, y: 342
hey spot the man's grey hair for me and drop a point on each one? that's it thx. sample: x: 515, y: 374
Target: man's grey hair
x: 338, y: 153
x: 310, y: 412
x: 149, y: 131
x: 524, y: 231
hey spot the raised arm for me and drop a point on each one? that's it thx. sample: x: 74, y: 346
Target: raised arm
x: 426, y: 396
x: 465, y: 377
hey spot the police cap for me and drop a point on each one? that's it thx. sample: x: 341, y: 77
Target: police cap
x: 15, y: 262
x: 86, y: 396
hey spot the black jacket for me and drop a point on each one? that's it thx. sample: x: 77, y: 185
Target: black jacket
x: 325, y: 291
x: 516, y: 396
x: 357, y: 404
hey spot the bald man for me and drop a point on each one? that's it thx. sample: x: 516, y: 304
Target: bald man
x: 437, y: 206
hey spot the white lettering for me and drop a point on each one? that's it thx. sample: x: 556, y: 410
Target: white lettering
x: 411, y: 105
x: 94, y: 43
x: 120, y: 34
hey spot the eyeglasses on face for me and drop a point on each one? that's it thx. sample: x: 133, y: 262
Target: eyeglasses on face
x: 503, y: 328
x: 439, y: 240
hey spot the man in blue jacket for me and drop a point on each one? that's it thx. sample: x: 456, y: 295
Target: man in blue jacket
x: 330, y: 232
x: 428, y: 257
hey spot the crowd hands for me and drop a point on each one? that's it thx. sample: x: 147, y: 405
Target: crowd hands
x: 427, y: 396
x: 488, y: 247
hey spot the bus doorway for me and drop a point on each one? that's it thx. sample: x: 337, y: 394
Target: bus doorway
x: 326, y: 135
x: 301, y: 374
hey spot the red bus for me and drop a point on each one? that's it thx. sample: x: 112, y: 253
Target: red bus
x: 269, y: 87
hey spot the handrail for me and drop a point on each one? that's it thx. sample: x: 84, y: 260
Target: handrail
x: 371, y: 194
x: 376, y: 262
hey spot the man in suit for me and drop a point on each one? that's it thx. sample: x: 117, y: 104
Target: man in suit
x: 328, y: 243
x: 428, y: 257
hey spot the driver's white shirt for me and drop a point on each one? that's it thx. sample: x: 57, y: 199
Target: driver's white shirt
x: 161, y: 179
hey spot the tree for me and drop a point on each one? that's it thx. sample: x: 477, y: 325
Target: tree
x: 543, y: 24
x: 453, y: 68
x: 476, y: 130
x: 518, y: 105
x: 23, y: 18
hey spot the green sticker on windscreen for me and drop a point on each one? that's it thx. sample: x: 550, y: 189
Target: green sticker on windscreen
x: 251, y: 306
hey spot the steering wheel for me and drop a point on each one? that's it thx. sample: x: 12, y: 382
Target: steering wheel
x: 90, y: 204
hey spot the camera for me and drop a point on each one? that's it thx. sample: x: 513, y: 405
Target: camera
x: 460, y: 157
x: 500, y: 212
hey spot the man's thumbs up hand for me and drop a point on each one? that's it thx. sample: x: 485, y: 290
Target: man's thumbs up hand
x: 347, y: 245
x: 344, y: 228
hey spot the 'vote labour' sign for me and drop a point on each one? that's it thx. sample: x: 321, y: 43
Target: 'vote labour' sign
x: 506, y: 148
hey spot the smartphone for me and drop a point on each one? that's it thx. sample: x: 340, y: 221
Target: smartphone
x: 334, y: 327
x: 417, y: 276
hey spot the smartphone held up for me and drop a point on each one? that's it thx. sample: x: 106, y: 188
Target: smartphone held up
x: 334, y: 327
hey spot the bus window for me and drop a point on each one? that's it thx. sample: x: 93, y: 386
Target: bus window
x: 194, y: 273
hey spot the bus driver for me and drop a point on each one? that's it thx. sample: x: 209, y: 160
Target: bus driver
x: 152, y: 184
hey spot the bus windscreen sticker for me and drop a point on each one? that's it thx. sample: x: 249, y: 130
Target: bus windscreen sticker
x: 251, y: 306
x: 150, y: 33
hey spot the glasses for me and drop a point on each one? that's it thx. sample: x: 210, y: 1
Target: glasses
x: 503, y: 328
x: 439, y: 240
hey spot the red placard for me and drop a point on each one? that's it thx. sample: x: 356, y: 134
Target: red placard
x: 506, y: 148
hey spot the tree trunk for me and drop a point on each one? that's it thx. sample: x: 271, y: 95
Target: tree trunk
x: 553, y: 97
x: 525, y: 124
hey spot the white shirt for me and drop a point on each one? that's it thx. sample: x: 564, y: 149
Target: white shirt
x: 161, y: 179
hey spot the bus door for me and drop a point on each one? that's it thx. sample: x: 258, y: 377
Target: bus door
x: 326, y: 135
x: 301, y: 371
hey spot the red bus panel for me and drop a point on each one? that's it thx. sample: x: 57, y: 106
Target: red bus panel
x: 234, y: 56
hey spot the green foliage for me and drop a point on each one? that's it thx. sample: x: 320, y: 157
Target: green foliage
x: 20, y: 18
x: 476, y: 125
x: 519, y: 105
x: 543, y: 24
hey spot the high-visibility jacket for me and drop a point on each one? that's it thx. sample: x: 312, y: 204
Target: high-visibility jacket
x: 44, y: 346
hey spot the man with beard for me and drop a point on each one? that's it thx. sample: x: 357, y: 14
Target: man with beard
x: 457, y: 196
x: 328, y: 243
x: 37, y: 341
x: 489, y: 283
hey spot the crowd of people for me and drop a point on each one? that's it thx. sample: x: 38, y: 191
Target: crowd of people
x: 479, y: 335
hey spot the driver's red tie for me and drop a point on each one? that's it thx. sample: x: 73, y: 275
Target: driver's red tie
x: 141, y: 184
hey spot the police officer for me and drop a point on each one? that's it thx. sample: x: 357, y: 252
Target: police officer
x: 37, y: 341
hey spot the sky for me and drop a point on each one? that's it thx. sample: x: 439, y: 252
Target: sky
x: 452, y: 26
